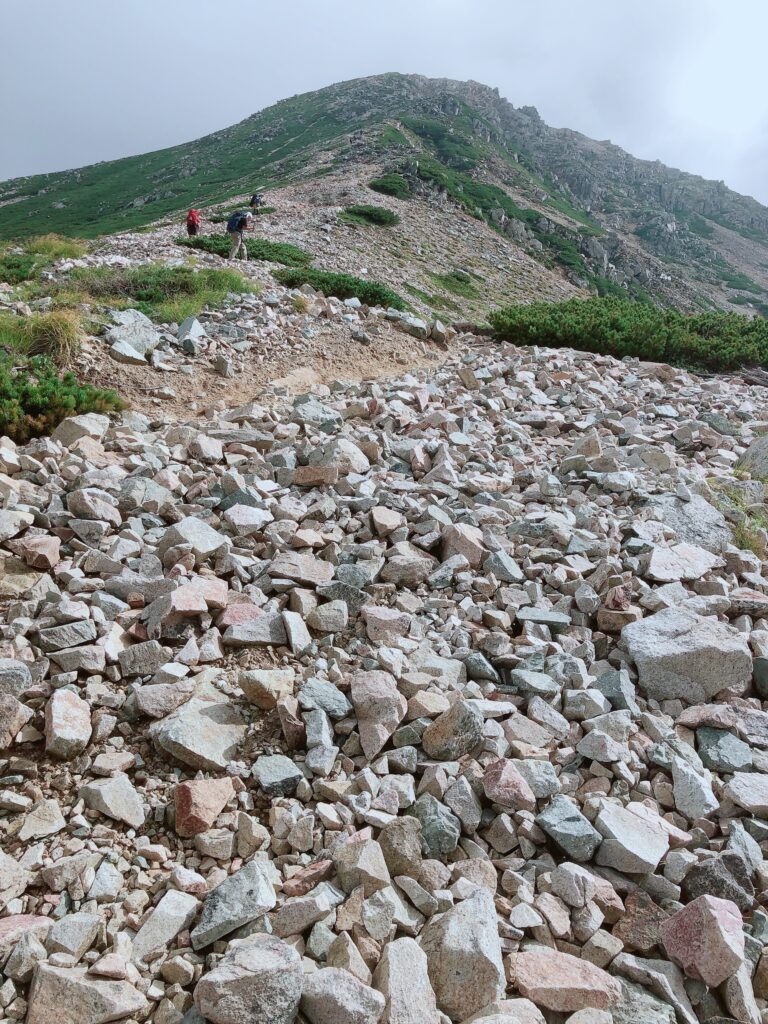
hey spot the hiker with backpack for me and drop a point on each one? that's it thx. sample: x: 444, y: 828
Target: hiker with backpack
x: 257, y: 199
x: 193, y: 222
x: 239, y: 222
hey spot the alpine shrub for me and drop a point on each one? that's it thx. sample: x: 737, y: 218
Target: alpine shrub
x: 363, y: 214
x: 34, y: 398
x: 258, y: 249
x: 57, y: 335
x: 343, y: 286
x: 621, y: 327
x: 391, y: 185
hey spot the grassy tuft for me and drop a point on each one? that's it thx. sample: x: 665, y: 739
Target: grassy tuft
x: 258, y: 249
x: 57, y: 335
x: 343, y: 286
x: 300, y: 303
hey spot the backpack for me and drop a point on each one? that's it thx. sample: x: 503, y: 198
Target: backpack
x: 193, y: 217
x: 236, y: 221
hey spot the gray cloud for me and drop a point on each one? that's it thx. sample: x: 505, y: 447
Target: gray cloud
x: 675, y: 80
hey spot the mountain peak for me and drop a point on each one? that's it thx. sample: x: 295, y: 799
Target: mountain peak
x: 602, y: 217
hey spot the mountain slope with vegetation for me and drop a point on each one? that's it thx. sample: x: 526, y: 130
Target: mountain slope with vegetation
x: 610, y: 223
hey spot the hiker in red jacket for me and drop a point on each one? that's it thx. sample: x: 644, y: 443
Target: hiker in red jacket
x: 193, y: 222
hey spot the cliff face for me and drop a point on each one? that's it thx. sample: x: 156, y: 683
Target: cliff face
x: 604, y: 218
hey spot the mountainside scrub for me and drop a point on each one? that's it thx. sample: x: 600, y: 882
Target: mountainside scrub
x: 164, y: 293
x: 621, y: 327
x: 257, y: 248
x: 342, y: 286
x: 24, y: 261
x: 365, y: 214
x: 35, y: 397
x: 391, y: 185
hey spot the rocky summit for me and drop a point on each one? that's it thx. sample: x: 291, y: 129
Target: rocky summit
x: 551, y: 198
x: 435, y: 698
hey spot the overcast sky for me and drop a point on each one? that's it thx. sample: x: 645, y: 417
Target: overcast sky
x: 683, y: 81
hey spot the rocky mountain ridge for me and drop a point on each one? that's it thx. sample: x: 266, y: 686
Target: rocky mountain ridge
x: 603, y: 218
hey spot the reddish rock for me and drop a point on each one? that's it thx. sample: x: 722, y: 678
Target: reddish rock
x: 385, y: 520
x: 40, y: 552
x: 379, y: 706
x: 291, y: 722
x: 384, y: 625
x: 305, y: 880
x: 13, y: 717
x: 239, y: 614
x: 462, y: 539
x: 706, y: 939
x: 505, y: 786
x: 561, y: 982
x: 67, y: 724
x: 315, y: 476
x: 14, y: 927
x: 199, y: 803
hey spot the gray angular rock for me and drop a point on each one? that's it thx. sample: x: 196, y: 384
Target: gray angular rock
x: 276, y: 774
x: 721, y: 751
x: 454, y: 733
x: 334, y: 996
x: 69, y: 995
x: 259, y: 980
x: 116, y: 798
x: 201, y: 733
x: 15, y: 676
x: 639, y: 1006
x: 694, y: 521
x: 631, y: 843
x: 440, y: 829
x: 239, y: 899
x: 684, y: 656
x: 402, y: 978
x: 566, y: 825
x: 464, y: 956
x: 175, y: 911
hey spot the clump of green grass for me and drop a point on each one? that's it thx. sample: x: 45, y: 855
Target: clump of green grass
x: 300, y: 303
x: 343, y: 286
x: 56, y: 247
x: 620, y: 327
x: 258, y: 249
x: 23, y: 262
x: 35, y: 397
x: 458, y: 282
x: 749, y: 535
x: 57, y: 335
x: 164, y: 293
x: 391, y: 185
x: 364, y: 214
x: 452, y: 148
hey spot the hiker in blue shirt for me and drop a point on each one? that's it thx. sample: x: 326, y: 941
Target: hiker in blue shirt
x: 239, y: 222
